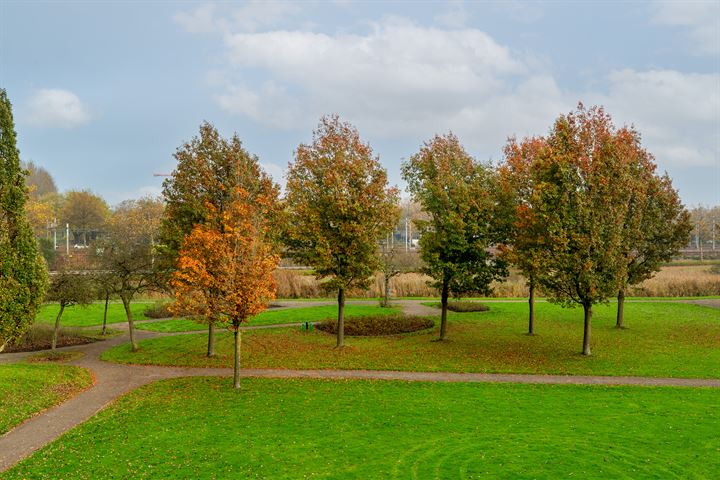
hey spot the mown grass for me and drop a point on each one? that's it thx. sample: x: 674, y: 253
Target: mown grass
x: 662, y: 340
x: 272, y: 316
x: 28, y: 389
x: 84, y: 316
x: 201, y: 428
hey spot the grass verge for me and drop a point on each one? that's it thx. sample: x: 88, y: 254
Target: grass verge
x: 28, y: 389
x: 287, y: 429
x: 274, y: 316
x: 84, y: 316
x: 662, y: 340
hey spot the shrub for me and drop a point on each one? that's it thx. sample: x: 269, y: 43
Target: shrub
x: 378, y: 325
x: 159, y: 309
x: 39, y: 337
x: 466, y: 306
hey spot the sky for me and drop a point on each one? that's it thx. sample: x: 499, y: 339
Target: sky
x: 104, y: 92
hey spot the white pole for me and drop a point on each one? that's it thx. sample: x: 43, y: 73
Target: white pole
x: 406, y: 234
x: 410, y: 233
x: 67, y: 239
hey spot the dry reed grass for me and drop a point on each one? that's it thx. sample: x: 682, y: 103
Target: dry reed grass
x: 671, y: 281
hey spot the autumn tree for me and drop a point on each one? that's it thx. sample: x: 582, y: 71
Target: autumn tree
x: 68, y: 287
x: 39, y: 181
x: 524, y: 246
x: 394, y: 260
x: 656, y: 224
x: 339, y: 207
x: 104, y: 284
x: 459, y: 195
x: 23, y: 274
x: 705, y: 223
x: 579, y: 204
x: 85, y: 212
x: 226, y: 264
x: 128, y: 252
x: 209, y: 168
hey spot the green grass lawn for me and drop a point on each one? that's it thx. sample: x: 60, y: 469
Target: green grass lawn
x: 662, y: 340
x: 200, y: 428
x: 79, y: 316
x: 272, y: 316
x: 27, y: 389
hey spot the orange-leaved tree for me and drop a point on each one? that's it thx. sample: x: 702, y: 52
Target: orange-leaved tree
x: 208, y: 168
x: 340, y: 207
x: 225, y: 268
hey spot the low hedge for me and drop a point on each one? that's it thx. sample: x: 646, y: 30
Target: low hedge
x: 466, y: 306
x: 378, y: 325
x: 159, y: 310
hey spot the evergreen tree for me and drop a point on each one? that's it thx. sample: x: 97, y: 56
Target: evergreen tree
x: 23, y: 275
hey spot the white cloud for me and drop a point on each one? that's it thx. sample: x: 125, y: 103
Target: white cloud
x: 677, y: 113
x: 401, y: 80
x: 52, y: 107
x: 399, y: 73
x: 701, y: 18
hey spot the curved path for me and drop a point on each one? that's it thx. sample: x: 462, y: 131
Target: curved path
x: 113, y: 380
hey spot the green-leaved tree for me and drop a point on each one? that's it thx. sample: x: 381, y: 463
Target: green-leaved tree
x: 580, y: 199
x: 657, y: 224
x: 68, y: 286
x: 339, y: 206
x: 459, y: 195
x: 209, y: 168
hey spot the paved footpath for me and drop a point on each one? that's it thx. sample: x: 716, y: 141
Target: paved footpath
x: 113, y: 380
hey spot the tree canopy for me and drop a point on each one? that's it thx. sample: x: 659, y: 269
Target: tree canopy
x: 459, y: 195
x: 209, y: 169
x: 226, y: 264
x: 581, y: 190
x: 128, y: 252
x: 339, y: 207
x: 85, y: 212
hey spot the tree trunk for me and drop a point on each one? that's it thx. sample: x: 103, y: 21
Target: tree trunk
x: 444, y: 305
x: 341, y: 319
x: 531, y: 305
x: 104, y: 327
x: 620, y: 309
x: 57, y: 327
x: 587, y: 307
x: 2, y: 347
x: 236, y: 370
x: 386, y: 301
x: 131, y: 324
x: 211, y: 340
